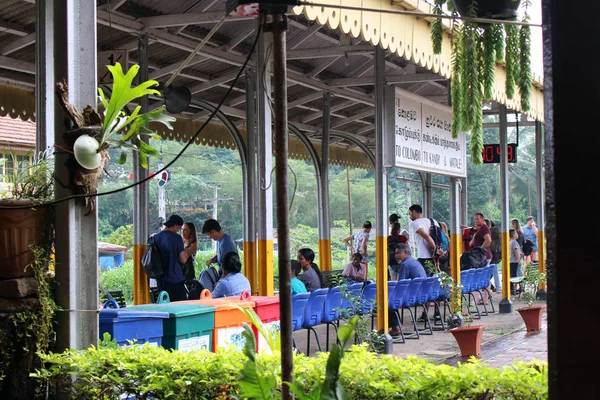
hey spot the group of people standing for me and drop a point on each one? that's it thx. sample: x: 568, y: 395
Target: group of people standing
x: 179, y: 253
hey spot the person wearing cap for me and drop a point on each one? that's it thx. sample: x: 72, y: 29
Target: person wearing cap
x: 171, y: 247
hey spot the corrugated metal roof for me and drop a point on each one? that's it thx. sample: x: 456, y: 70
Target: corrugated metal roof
x: 309, y: 74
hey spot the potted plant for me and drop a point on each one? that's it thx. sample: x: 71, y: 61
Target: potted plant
x: 93, y: 134
x: 476, y: 47
x: 468, y: 337
x: 24, y: 224
x: 532, y: 315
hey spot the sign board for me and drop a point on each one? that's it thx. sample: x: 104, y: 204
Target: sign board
x: 111, y: 57
x: 491, y: 153
x: 422, y: 137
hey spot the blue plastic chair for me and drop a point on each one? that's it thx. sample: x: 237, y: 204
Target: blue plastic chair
x: 409, y: 301
x: 466, y: 278
x: 331, y: 311
x: 369, y: 301
x: 486, y: 276
x: 313, y: 315
x: 350, y: 309
x: 396, y: 299
x: 298, y: 306
x: 436, y: 294
x: 422, y: 300
x: 478, y: 284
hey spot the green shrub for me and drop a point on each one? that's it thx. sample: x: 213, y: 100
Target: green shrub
x: 119, y: 279
x: 144, y: 371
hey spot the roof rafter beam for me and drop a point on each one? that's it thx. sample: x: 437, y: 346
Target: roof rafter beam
x: 319, y: 114
x: 302, y: 37
x: 17, y: 65
x: 13, y: 29
x: 169, y: 69
x: 17, y: 44
x: 355, y: 117
x: 389, y: 79
x: 229, y: 76
x: 164, y: 21
x: 220, y: 55
x: 333, y: 51
x: 321, y: 66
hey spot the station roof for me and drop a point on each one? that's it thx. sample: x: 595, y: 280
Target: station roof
x: 328, y: 50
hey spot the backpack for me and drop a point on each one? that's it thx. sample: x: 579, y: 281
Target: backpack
x: 474, y: 258
x: 208, y: 278
x: 152, y: 260
x: 439, y: 237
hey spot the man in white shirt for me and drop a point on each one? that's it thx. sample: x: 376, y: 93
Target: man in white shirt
x: 420, y: 225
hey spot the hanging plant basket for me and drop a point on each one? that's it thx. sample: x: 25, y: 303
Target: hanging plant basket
x: 494, y: 9
x: 476, y: 48
x: 532, y: 316
x: 468, y: 339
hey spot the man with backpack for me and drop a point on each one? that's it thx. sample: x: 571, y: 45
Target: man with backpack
x: 171, y: 248
x: 426, y: 246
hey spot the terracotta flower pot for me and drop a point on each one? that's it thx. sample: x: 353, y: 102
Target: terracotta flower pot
x: 468, y: 339
x: 532, y: 316
x: 19, y: 229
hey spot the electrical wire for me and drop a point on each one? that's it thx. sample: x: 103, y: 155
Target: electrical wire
x: 164, y: 168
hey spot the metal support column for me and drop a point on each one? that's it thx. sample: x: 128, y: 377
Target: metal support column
x: 464, y: 209
x: 44, y: 75
x: 76, y: 245
x: 505, y: 304
x: 141, y: 195
x: 381, y: 189
x: 541, y: 196
x: 454, y: 228
x: 265, y: 164
x: 277, y: 24
x: 324, y: 215
x: 250, y: 186
x: 428, y: 196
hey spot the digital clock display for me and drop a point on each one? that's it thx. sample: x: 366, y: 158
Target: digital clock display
x: 491, y: 153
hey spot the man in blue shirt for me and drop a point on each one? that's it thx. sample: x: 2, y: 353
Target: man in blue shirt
x: 225, y: 244
x: 171, y: 248
x: 409, y: 267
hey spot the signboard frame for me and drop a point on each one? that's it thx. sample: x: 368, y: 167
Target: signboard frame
x: 419, y: 136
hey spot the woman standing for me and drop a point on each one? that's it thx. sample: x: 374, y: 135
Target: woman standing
x: 311, y: 275
x: 516, y: 225
x: 190, y: 243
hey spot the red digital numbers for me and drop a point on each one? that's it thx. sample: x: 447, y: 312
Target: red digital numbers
x: 491, y: 153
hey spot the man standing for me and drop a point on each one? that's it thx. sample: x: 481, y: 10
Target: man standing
x: 420, y: 225
x: 225, y: 244
x: 483, y: 238
x: 171, y: 248
x: 361, y: 240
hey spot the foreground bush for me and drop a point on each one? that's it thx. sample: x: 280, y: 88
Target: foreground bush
x: 146, y: 372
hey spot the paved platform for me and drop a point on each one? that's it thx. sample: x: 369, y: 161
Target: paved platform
x: 504, y: 340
